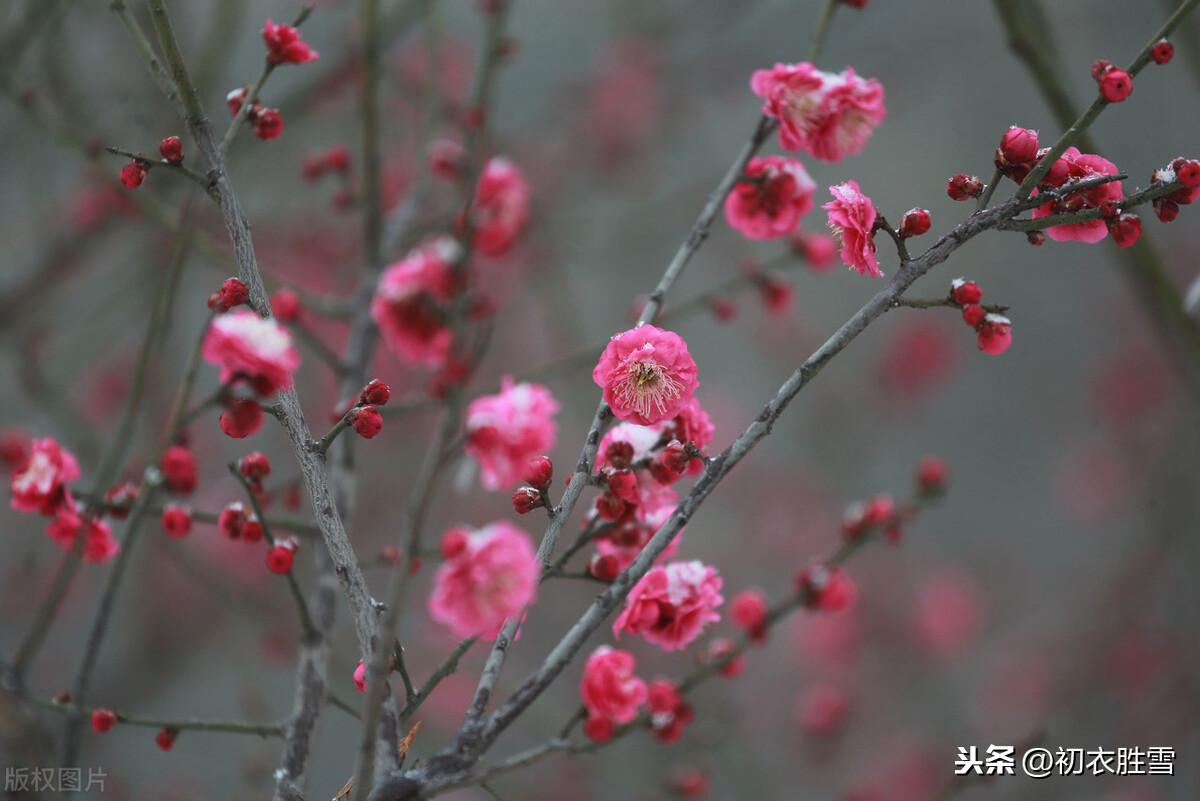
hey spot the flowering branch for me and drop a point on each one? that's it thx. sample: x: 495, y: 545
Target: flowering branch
x: 1098, y: 105
x: 200, y: 180
x: 186, y: 724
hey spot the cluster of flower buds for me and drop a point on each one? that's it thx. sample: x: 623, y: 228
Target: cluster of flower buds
x: 335, y: 159
x: 134, y: 172
x: 824, y: 588
x: 964, y: 187
x: 669, y: 713
x: 236, y: 522
x: 993, y: 331
x: 1187, y: 173
x: 267, y: 122
x: 1018, y: 152
x: 233, y: 292
x: 118, y: 501
x: 364, y: 416
x: 863, y: 518
x: 534, y: 492
x: 1115, y: 83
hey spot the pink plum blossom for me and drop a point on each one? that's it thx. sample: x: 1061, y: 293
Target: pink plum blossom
x: 506, y: 430
x: 493, y: 578
x: 412, y: 300
x: 647, y: 374
x: 775, y: 193
x: 829, y: 115
x: 253, y: 348
x: 40, y: 484
x: 672, y: 604
x: 609, y: 688
x: 852, y: 218
x: 501, y: 207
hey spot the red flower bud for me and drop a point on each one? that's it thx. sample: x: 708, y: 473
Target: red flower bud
x: 598, y: 729
x: 676, y: 456
x: 1036, y: 238
x: 624, y: 484
x: 255, y: 466
x: 1019, y: 145
x: 268, y: 123
x: 375, y: 393
x: 285, y: 305
x: 1188, y: 173
x: 366, y: 421
x: 723, y: 309
x: 165, y: 739
x: 252, y: 529
x: 539, y: 472
x: 1115, y: 85
x: 994, y: 334
x: 1099, y: 67
x: 103, y: 720
x: 964, y: 292
x: 178, y: 467
x: 604, y: 567
x: 525, y: 500
x: 973, y: 314
x: 241, y: 417
x: 454, y: 542
x: 120, y: 498
x: 932, y: 475
x: 171, y: 149
x: 176, y: 520
x: 1166, y: 209
x: 964, y: 187
x: 132, y: 174
x: 1162, y: 52
x: 233, y: 292
x: 619, y: 454
x: 914, y: 223
x: 1125, y: 230
x: 280, y: 559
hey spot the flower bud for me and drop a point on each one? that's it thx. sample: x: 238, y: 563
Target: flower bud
x: 1125, y: 230
x: 624, y: 484
x: 1115, y: 85
x: 103, y: 720
x: 255, y: 466
x: 973, y: 314
x: 454, y: 542
x: 1019, y: 145
x: 994, y: 334
x: 604, y: 566
x: 176, y: 520
x: 232, y: 519
x: 366, y: 421
x: 165, y: 739
x: 268, y: 124
x: 964, y: 187
x: 233, y: 292
x: 375, y: 393
x: 932, y: 475
x: 526, y: 499
x: 1035, y: 238
x: 964, y: 292
x: 171, y: 149
x: 280, y: 558
x: 285, y: 305
x: 619, y: 454
x: 914, y: 222
x: 1188, y: 173
x: 1099, y: 67
x: 241, y: 417
x: 132, y: 174
x: 1166, y: 209
x: 1162, y: 52
x: 539, y: 472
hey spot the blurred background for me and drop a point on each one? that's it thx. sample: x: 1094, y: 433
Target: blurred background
x: 1050, y: 595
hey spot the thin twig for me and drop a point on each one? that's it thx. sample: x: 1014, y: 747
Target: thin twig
x: 184, y: 724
